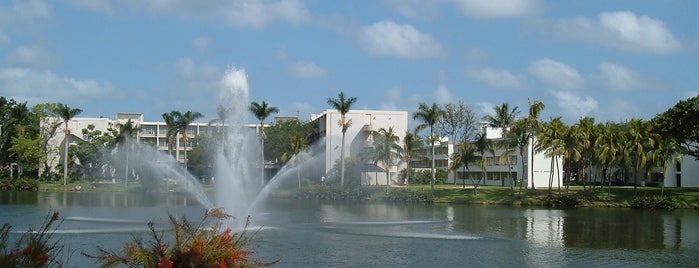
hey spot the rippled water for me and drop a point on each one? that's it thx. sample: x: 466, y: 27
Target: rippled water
x: 313, y: 234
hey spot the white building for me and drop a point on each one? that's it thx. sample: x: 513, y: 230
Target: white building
x: 500, y: 170
x: 358, y: 137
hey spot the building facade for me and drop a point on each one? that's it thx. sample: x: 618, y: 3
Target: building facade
x: 358, y: 138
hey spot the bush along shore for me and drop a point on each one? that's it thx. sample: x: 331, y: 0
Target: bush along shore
x: 575, y: 196
x: 644, y: 198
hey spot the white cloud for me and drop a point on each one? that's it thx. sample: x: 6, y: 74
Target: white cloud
x: 442, y: 95
x: 387, y: 38
x: 200, y: 43
x: 21, y: 15
x: 622, y: 30
x: 306, y: 69
x: 575, y: 106
x: 45, y: 86
x: 620, y: 77
x: 620, y: 110
x: 198, y: 76
x: 556, y: 74
x: 414, y: 8
x: 29, y: 56
x: 491, y: 9
x: 495, y: 78
x: 239, y: 13
x: 485, y: 108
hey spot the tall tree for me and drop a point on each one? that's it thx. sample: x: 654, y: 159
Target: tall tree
x: 342, y: 104
x: 430, y: 116
x: 261, y: 111
x: 482, y: 144
x: 553, y: 146
x: 608, y: 146
x: 585, y: 129
x: 387, y: 147
x: 66, y: 113
x: 682, y: 123
x: 182, y: 121
x: 127, y: 131
x: 534, y: 126
x: 458, y: 122
x: 412, y: 145
x: 519, y: 137
x: 665, y: 152
x: 464, y: 156
x: 172, y: 129
x: 641, y: 139
x: 503, y: 118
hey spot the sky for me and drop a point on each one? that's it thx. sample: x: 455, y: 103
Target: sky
x: 612, y: 60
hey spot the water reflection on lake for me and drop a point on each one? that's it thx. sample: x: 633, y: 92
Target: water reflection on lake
x: 316, y: 234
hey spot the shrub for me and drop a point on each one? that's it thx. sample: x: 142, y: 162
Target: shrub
x: 21, y: 184
x: 332, y: 192
x: 408, y: 196
x: 566, y: 200
x: 655, y: 202
x: 33, y: 249
x: 193, y: 246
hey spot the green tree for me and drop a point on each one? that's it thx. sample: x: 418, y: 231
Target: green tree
x: 552, y: 144
x: 641, y: 139
x: 503, y: 119
x: 93, y: 150
x: 681, y: 122
x: 430, y: 116
x: 585, y: 129
x: 342, y: 104
x: 172, y: 129
x: 482, y: 144
x: 27, y: 151
x: 66, y: 113
x: 278, y: 142
x: 182, y: 122
x: 464, y: 156
x: 48, y: 124
x: 261, y: 111
x: 534, y: 126
x: 608, y: 147
x: 458, y: 122
x: 412, y: 149
x: 665, y: 152
x: 127, y: 131
x: 388, y: 149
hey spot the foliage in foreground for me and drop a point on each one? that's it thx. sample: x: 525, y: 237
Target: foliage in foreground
x: 407, y: 195
x: 200, y: 245
x: 33, y: 249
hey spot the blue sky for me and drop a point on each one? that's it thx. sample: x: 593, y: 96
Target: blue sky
x: 612, y: 60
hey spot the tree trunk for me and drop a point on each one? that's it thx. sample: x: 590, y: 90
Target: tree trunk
x: 65, y: 155
x: 342, y: 161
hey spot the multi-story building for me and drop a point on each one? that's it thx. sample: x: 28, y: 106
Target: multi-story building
x: 358, y: 138
x: 153, y: 133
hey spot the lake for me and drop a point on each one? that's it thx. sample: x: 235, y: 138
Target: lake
x: 325, y: 234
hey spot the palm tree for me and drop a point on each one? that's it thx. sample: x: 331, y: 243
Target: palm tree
x: 608, y: 146
x: 261, y: 112
x: 127, y: 131
x: 222, y: 113
x: 552, y: 144
x: 503, y: 119
x: 342, y: 105
x: 482, y: 145
x: 464, y: 157
x: 519, y: 136
x: 534, y: 127
x: 171, y: 126
x: 182, y: 121
x: 411, y: 150
x: 585, y: 145
x: 66, y: 113
x: 387, y: 147
x: 641, y: 140
x: 666, y: 151
x: 298, y: 144
x: 429, y: 116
